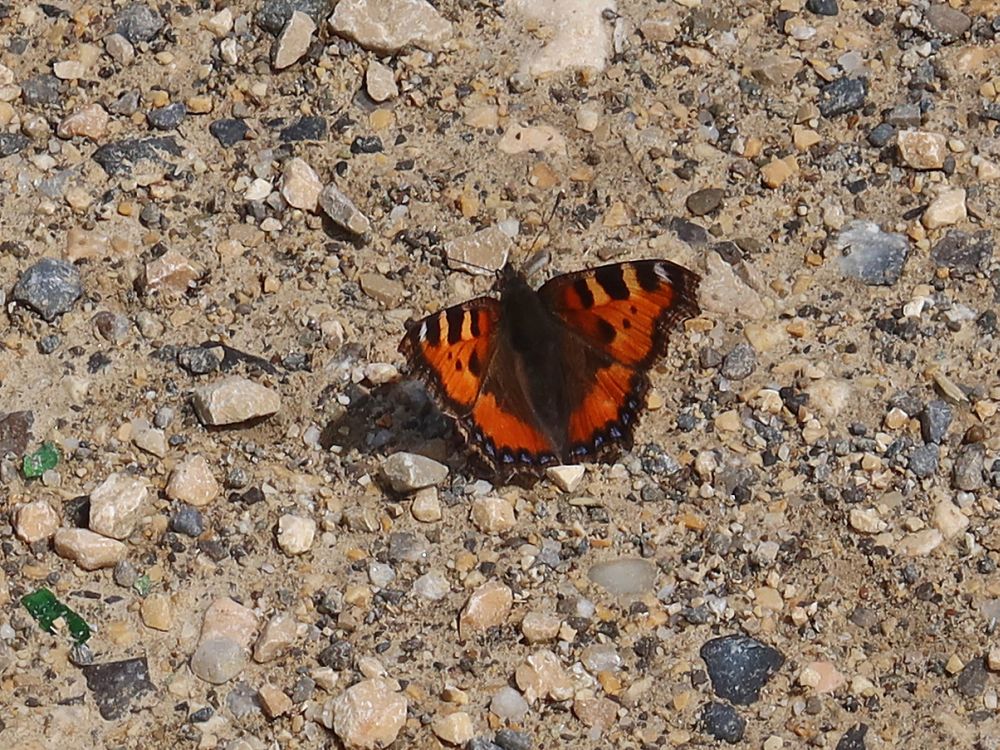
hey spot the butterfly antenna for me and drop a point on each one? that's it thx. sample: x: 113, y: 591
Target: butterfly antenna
x: 538, y: 259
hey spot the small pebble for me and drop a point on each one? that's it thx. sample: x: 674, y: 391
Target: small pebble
x: 723, y: 722
x: 233, y: 401
x: 116, y: 505
x: 369, y: 714
x: 192, y: 482
x: 294, y: 41
x: 626, y: 577
x: 488, y: 606
x: 49, y: 287
x: 187, y: 520
x: 277, y: 638
x: 408, y: 472
x: 88, y: 550
x: 168, y: 117
x: 295, y: 534
x: 739, y: 667
x: 35, y: 521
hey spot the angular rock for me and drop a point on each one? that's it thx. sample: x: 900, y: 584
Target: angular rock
x: 274, y: 14
x: 920, y: 149
x: 843, y: 96
x: 871, y: 255
x: 369, y: 714
x: 946, y: 209
x: 723, y: 722
x: 88, y: 550
x: 277, y: 637
x: 483, y: 252
x: 35, y: 521
x: 380, y: 82
x: 122, y: 157
x: 488, y: 606
x: 740, y: 666
x: 300, y: 185
x: 192, y: 482
x: 116, y: 685
x: 295, y: 534
x: 492, y: 515
x: 342, y: 210
x: 15, y: 432
x: 294, y: 41
x: 408, y: 472
x: 233, y: 401
x: 542, y: 677
x: 961, y: 251
x: 90, y: 122
x: 49, y: 287
x: 116, y: 504
x: 387, y: 26
x: 138, y: 22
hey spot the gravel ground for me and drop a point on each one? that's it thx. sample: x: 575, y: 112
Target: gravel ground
x: 217, y: 219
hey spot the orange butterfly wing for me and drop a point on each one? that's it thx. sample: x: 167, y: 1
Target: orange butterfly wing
x: 623, y: 311
x: 453, y: 350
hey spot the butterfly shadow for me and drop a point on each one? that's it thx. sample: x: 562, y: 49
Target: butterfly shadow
x: 400, y: 416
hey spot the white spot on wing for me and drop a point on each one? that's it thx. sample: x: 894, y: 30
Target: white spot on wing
x: 422, y: 335
x: 662, y: 271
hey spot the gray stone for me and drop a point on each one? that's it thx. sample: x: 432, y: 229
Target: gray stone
x: 723, y: 722
x: 121, y: 157
x: 739, y: 667
x: 971, y: 680
x: 704, y: 201
x: 961, y: 251
x: 274, y: 14
x: 187, y: 520
x: 409, y: 472
x: 739, y: 363
x: 923, y: 460
x: 50, y: 287
x: 138, y: 22
x: 12, y: 143
x: 843, y: 96
x: 967, y: 473
x: 935, y: 420
x: 115, y: 685
x: 168, y: 117
x: 871, y: 255
x: 41, y: 90
x: 626, y: 577
x: 15, y: 432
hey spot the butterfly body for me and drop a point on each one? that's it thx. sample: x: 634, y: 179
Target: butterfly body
x: 557, y: 374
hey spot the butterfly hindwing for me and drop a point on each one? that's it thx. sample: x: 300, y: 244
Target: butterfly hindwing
x: 452, y: 350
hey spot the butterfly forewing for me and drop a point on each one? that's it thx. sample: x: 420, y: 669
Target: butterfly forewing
x: 452, y: 350
x: 624, y: 309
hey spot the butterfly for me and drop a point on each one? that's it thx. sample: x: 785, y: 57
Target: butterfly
x: 556, y: 375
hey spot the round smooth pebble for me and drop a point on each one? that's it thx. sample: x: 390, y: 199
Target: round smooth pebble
x: 426, y: 507
x: 723, y: 722
x: 369, y: 714
x: 380, y: 82
x: 537, y: 627
x: 509, y: 704
x: 408, y: 472
x: 946, y: 209
x: 432, y: 586
x: 218, y: 660
x: 295, y: 534
x: 630, y: 576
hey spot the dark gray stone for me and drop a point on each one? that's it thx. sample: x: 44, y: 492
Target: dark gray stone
x: 120, y: 157
x: 50, y: 287
x: 853, y: 738
x: 305, y: 129
x: 187, y: 520
x: 115, y: 685
x: 12, y: 143
x: 739, y: 363
x: 740, y: 666
x: 15, y: 432
x: 138, y: 23
x: 904, y: 116
x: 199, y: 360
x: 961, y: 251
x: 822, y: 7
x: 935, y: 420
x: 843, y: 96
x: 705, y: 201
x: 722, y: 722
x: 971, y: 680
x: 41, y: 90
x: 881, y: 134
x: 168, y: 117
x: 510, y: 739
x: 923, y: 460
x: 228, y: 131
x: 274, y: 14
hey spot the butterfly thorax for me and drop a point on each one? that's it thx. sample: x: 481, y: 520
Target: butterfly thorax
x: 535, y: 339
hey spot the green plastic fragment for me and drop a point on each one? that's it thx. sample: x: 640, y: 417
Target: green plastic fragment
x: 37, y: 463
x: 142, y: 585
x: 43, y: 605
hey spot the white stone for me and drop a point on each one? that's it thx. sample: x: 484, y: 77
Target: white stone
x: 116, y: 504
x: 234, y: 400
x: 192, y: 482
x: 492, y: 515
x: 35, y: 521
x: 949, y: 519
x: 88, y: 550
x: 390, y: 25
x: 369, y: 714
x: 380, y: 82
x: 300, y: 185
x: 566, y: 478
x: 946, y: 209
x: 295, y: 534
x: 342, y: 210
x: 294, y: 40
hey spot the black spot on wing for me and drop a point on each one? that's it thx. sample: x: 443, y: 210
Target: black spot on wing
x: 474, y: 327
x: 606, y: 331
x: 475, y: 366
x: 612, y: 281
x: 456, y: 316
